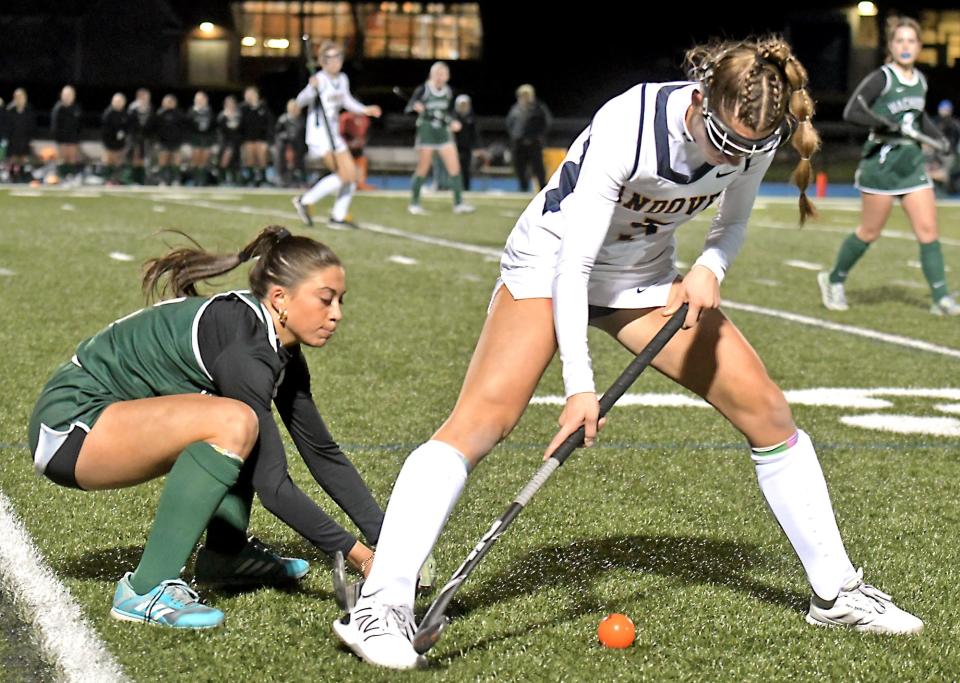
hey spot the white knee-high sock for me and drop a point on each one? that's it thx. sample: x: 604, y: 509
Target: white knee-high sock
x: 427, y: 488
x: 792, y: 482
x: 326, y: 185
x: 342, y: 204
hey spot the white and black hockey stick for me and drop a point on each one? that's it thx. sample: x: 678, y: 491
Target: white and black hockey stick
x: 924, y: 139
x: 906, y: 128
x: 435, y: 620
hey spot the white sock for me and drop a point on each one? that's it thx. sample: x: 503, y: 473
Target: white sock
x: 326, y: 185
x: 426, y: 490
x: 792, y: 482
x: 342, y: 205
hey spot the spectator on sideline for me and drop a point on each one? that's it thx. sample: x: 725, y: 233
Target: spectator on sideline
x: 528, y: 122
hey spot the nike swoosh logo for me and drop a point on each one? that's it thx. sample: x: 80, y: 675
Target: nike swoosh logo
x: 721, y: 175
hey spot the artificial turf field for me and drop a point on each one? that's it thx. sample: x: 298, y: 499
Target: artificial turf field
x: 662, y: 521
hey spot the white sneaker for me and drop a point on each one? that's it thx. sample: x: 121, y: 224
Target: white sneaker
x: 347, y: 593
x: 380, y: 634
x: 832, y: 293
x: 865, y: 608
x: 416, y: 210
x: 946, y: 305
x: 464, y: 208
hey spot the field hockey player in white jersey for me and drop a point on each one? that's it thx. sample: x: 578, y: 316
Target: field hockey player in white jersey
x: 596, y: 247
x: 326, y: 93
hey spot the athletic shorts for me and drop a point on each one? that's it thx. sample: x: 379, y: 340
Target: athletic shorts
x: 537, y: 283
x: 892, y: 169
x: 67, y: 409
x: 318, y: 144
x: 62, y: 467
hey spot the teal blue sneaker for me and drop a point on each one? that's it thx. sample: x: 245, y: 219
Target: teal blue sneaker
x: 255, y: 565
x: 172, y: 603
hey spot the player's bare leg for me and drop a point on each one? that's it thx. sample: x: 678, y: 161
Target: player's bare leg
x: 716, y: 362
x: 515, y: 346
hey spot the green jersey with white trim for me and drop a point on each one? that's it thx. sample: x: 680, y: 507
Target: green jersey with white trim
x: 154, y: 351
x: 438, y: 105
x: 900, y: 100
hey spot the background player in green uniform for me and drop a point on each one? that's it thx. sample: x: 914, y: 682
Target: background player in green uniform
x: 185, y: 388
x: 433, y: 103
x: 890, y: 102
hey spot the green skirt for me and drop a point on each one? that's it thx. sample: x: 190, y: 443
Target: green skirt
x: 433, y: 137
x: 71, y: 397
x: 891, y: 168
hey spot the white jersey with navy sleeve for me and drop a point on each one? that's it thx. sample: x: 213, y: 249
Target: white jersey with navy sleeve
x: 330, y: 96
x: 602, y: 230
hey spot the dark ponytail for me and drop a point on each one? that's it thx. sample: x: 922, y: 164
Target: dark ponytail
x: 282, y: 259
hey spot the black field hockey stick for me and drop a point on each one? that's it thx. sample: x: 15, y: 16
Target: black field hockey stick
x: 322, y: 113
x: 435, y: 620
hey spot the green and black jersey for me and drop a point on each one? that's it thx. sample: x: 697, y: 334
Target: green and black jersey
x: 891, y: 101
x: 886, y: 103
x: 155, y: 351
x: 433, y: 123
x: 226, y: 346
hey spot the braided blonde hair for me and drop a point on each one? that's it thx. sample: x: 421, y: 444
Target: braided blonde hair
x: 760, y: 83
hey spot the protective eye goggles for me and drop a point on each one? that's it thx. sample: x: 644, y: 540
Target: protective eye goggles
x: 728, y: 142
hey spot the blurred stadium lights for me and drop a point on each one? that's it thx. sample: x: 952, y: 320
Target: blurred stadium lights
x: 248, y: 41
x: 207, y: 27
x: 866, y: 9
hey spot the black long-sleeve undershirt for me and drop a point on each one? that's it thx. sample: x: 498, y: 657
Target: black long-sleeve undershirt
x: 858, y: 109
x: 236, y: 351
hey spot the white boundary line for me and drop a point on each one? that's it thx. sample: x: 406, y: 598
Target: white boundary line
x: 897, y: 339
x: 370, y: 227
x: 867, y: 333
x: 67, y: 640
x: 836, y: 230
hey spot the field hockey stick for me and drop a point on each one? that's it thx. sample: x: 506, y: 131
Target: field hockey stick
x: 345, y: 593
x: 435, y: 620
x: 913, y: 134
x: 326, y: 127
x: 906, y: 129
x: 340, y: 582
x: 401, y: 93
